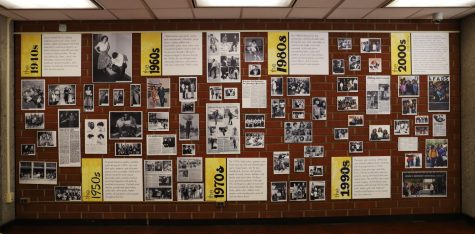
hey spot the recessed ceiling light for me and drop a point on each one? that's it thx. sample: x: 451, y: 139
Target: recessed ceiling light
x: 49, y: 4
x: 431, y: 3
x: 243, y: 3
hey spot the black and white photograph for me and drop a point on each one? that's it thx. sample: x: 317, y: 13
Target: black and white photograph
x: 355, y: 147
x: 313, y: 151
x: 38, y: 172
x: 112, y: 57
x: 379, y: 132
x: 223, y: 56
x: 438, y: 93
x: 375, y: 65
x: 378, y: 95
x: 103, y: 97
x: 347, y: 84
x: 95, y: 136
x: 421, y: 119
x: 67, y: 193
x: 62, y: 95
x: 354, y: 63
x: 315, y: 171
x: 420, y: 184
x: 32, y: 94
x: 413, y: 160
x: 298, y: 191
x: 188, y: 149
x: 254, y: 139
x: 278, y: 108
x: 28, y: 149
x: 408, y: 86
x: 298, y: 114
x: 34, y: 120
x: 255, y: 70
x: 437, y: 153
x: 158, y: 121
x: 370, y: 45
x: 254, y: 120
x: 118, y: 97
x: 125, y: 125
x: 319, y: 108
x: 68, y: 118
x: 158, y: 93
x: 401, y: 127
x: 281, y: 162
x: 46, y: 139
x: 347, y: 103
x: 158, y: 180
x: 135, y: 95
x: 298, y: 104
x: 340, y: 133
x: 88, y: 100
x: 159, y: 194
x: 188, y: 89
x: 421, y: 130
x: 216, y: 93
x: 161, y: 144
x: 223, y: 129
x: 278, y: 191
x: 355, y: 120
x: 439, y: 125
x: 189, y: 169
x: 338, y: 66
x: 190, y: 192
x: 299, y: 165
x: 277, y: 86
x: 231, y: 93
x: 187, y: 107
x: 298, y: 86
x: 317, y: 190
x: 298, y: 132
x: 189, y: 127
x: 409, y: 106
x: 254, y: 47
x: 344, y: 43
x: 128, y: 149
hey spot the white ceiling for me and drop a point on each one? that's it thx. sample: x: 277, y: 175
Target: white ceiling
x: 183, y: 9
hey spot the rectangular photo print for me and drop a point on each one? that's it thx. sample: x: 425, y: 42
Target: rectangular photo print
x: 347, y: 84
x: 188, y: 88
x: 135, y: 95
x: 437, y: 153
x: 347, y: 103
x: 379, y: 132
x: 128, y: 149
x: 439, y: 93
x: 112, y: 57
x: 188, y: 149
x: 281, y: 162
x: 278, y: 191
x: 344, y: 43
x: 413, y: 160
x: 255, y: 70
x: 277, y: 86
x: 223, y: 128
x: 62, y: 95
x: 421, y: 184
x: 158, y: 93
x: 409, y: 106
x: 189, y: 169
x: 313, y: 151
x: 188, y: 107
x: 298, y: 114
x: 298, y: 132
x: 319, y: 108
x: 421, y: 119
x: 88, y: 100
x: 421, y: 130
x: 338, y: 66
x: 278, y: 108
x: 118, y: 97
x: 158, y: 121
x: 375, y: 65
x: 315, y: 171
x: 340, y: 133
x: 216, y: 93
x: 254, y: 120
x: 103, y: 97
x: 231, y: 93
x: 354, y: 63
x: 317, y: 190
x: 67, y: 193
x: 355, y: 120
x: 370, y: 45
x: 408, y: 86
x: 46, y: 139
x: 254, y: 139
x: 298, y: 104
x: 34, y: 120
x: 125, y: 125
x: 28, y: 150
x: 298, y: 86
x: 190, y: 192
x: 355, y: 147
x: 298, y: 191
x: 299, y: 165
x: 254, y: 47
x: 33, y: 94
x: 189, y: 127
x: 401, y: 127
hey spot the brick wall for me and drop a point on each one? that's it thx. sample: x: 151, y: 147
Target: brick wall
x: 42, y: 205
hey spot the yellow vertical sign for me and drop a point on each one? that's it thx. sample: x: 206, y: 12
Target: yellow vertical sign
x: 31, y: 55
x: 341, y: 178
x: 278, y: 53
x: 215, y: 179
x: 401, y: 54
x: 91, y: 179
x: 151, y: 54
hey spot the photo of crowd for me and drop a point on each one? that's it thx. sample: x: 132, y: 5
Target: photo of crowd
x: 67, y: 193
x: 128, y: 149
x: 424, y: 184
x: 254, y: 120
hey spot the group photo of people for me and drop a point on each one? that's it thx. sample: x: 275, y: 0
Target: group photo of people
x: 190, y: 192
x: 125, y: 125
x: 347, y: 84
x: 254, y: 120
x: 281, y: 162
x: 408, y: 86
x: 158, y: 121
x: 355, y: 120
x: 424, y: 184
x: 112, y: 57
x: 298, y: 132
x: 413, y: 160
x: 298, y: 86
x: 278, y: 191
x: 313, y: 151
x: 34, y: 120
x: 254, y: 139
x: 317, y: 190
x: 67, y: 193
x: 370, y: 45
x: 298, y: 190
x: 437, y: 155
x: 158, y: 93
x: 409, y: 106
x: 128, y: 149
x: 379, y: 132
x: 188, y: 89
x: 62, y: 94
x: 46, y: 138
x: 32, y: 94
x: 347, y: 103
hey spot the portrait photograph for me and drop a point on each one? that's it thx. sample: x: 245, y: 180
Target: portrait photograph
x: 125, y: 125
x: 277, y: 84
x: 88, y: 98
x: 189, y: 127
x: 338, y: 66
x: 188, y: 149
x: 135, y: 95
x: 254, y: 70
x: 118, y: 97
x: 254, y: 49
x: 344, y: 43
x: 32, y: 94
x: 278, y: 191
x: 103, y: 97
x: 158, y: 93
x: 111, y: 57
x: 188, y: 89
x: 354, y: 63
x: 319, y: 108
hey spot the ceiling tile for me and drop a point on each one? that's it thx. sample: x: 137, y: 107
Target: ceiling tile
x: 265, y: 13
x: 316, y: 3
x: 217, y: 13
x: 426, y: 13
x: 42, y: 14
x: 182, y: 13
x: 349, y: 13
x: 117, y: 4
x: 90, y: 15
x: 465, y: 13
x: 132, y: 14
x: 386, y: 13
x: 309, y: 13
x: 154, y: 4
x: 362, y: 3
x: 10, y: 14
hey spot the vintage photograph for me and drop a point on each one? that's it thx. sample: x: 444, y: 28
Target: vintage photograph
x: 95, y: 136
x: 298, y: 132
x: 299, y: 165
x: 216, y: 93
x: 187, y: 107
x: 38, y: 172
x: 278, y: 108
x: 158, y: 93
x: 159, y: 194
x: 370, y: 45
x: 61, y: 94
x: 255, y: 70
x: 347, y: 103
x: 278, y: 191
x: 408, y: 86
x: 28, y: 150
x: 88, y: 98
x: 128, y: 149
x: 424, y: 184
x: 32, y: 94
x: 421, y: 119
x: 135, y: 95
x: 354, y: 63
x: 188, y: 149
x: 254, y: 139
x: 68, y: 118
x: 413, y: 160
x: 355, y: 147
x: 190, y: 192
x: 112, y: 57
x: 254, y: 120
x: 315, y: 171
x: 125, y: 125
x: 223, y: 57
x: 313, y: 151
x: 188, y: 89
x: 401, y: 127
x: 158, y: 121
x: 189, y: 127
x: 298, y: 104
x: 375, y: 65
x: 34, y: 120
x: 298, y: 114
x: 189, y: 169
x: 378, y: 95
x: 46, y: 139
x: 344, y: 43
x: 223, y: 128
x: 254, y: 47
x: 298, y: 191
x: 103, y: 97
x: 319, y: 108
x: 439, y: 125
x: 421, y: 131
x: 158, y: 180
x: 298, y: 86
x: 161, y: 144
x: 347, y: 84
x: 67, y: 193
x: 409, y: 106
x: 317, y: 190
x: 231, y: 93
x: 338, y: 66
x: 281, y: 162
x: 439, y: 93
x: 340, y: 133
x: 355, y: 120
x: 379, y: 132
x: 118, y: 97
x: 437, y: 153
x: 277, y: 84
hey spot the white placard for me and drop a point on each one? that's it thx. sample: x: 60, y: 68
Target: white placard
x: 247, y: 179
x: 61, y: 55
x: 122, y: 179
x: 371, y: 177
x: 430, y: 53
x: 308, y: 53
x: 254, y: 94
x: 407, y: 144
x: 182, y: 53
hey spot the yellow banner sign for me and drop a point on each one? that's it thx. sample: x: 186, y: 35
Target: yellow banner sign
x: 151, y: 54
x: 401, y: 54
x: 91, y: 179
x: 278, y: 53
x: 215, y: 178
x: 31, y: 55
x: 341, y: 178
